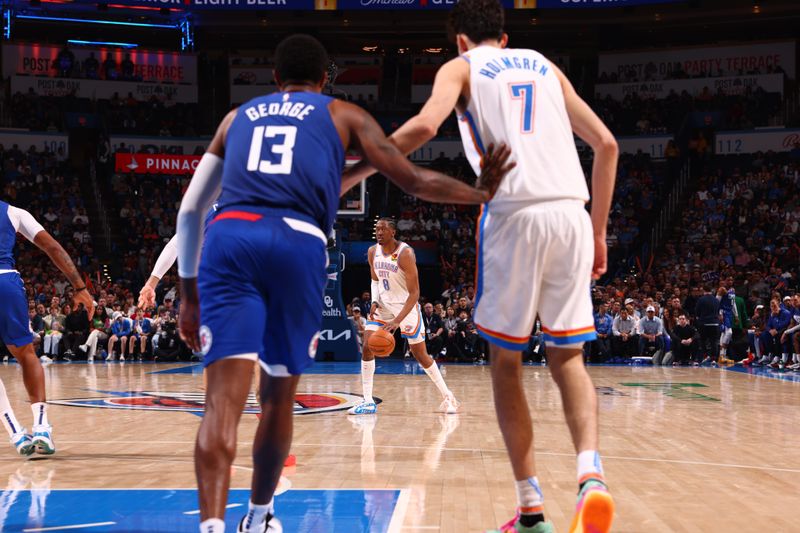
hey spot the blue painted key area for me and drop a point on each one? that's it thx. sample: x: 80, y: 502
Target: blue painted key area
x: 137, y: 510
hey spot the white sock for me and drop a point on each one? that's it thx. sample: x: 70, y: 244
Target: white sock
x: 367, y: 373
x: 589, y: 463
x: 40, y: 414
x: 7, y: 414
x: 256, y: 514
x: 723, y: 351
x: 529, y: 496
x: 212, y: 525
x: 436, y: 376
x: 784, y: 357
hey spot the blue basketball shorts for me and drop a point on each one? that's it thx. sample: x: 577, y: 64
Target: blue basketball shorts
x: 15, y: 328
x: 261, y: 281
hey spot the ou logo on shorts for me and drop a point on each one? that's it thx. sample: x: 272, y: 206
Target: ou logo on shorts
x: 206, y: 340
x: 328, y: 301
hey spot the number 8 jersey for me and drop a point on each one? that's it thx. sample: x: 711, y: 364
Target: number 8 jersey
x: 392, y: 287
x: 516, y: 98
x: 283, y: 151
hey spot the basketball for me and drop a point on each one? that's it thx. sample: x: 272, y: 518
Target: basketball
x: 381, y: 343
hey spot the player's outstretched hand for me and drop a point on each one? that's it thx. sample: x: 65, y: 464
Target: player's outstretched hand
x: 372, y: 309
x: 189, y: 319
x: 600, y: 257
x: 84, y: 297
x: 494, y: 167
x: 147, y: 297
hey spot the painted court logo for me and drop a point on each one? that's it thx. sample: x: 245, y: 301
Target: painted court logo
x: 194, y: 402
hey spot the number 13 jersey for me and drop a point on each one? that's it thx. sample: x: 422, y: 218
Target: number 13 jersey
x: 516, y: 98
x: 283, y: 151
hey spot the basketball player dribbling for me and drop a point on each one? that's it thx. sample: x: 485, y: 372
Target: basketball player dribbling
x: 395, y: 297
x: 537, y: 247
x: 257, y: 293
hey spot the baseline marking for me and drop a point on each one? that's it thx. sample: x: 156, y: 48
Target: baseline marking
x: 400, y: 510
x: 63, y: 528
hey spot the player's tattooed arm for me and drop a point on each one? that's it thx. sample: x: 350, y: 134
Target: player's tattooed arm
x: 425, y: 184
x: 61, y: 259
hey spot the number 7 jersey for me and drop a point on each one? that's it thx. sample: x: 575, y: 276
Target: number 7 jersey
x: 282, y: 151
x: 516, y: 98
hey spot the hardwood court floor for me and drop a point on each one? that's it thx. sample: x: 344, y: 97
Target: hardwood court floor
x: 684, y: 449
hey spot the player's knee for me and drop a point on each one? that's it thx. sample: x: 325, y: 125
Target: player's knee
x: 216, y: 445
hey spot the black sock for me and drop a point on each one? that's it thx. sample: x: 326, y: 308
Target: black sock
x: 530, y: 520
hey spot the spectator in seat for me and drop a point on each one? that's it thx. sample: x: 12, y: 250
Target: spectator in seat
x: 359, y: 324
x: 127, y: 67
x: 684, y: 341
x: 707, y: 319
x: 623, y: 329
x: 110, y: 67
x: 450, y: 327
x: 791, y: 337
x: 434, y: 329
x: 54, y: 329
x: 76, y: 329
x: 32, y: 316
x: 650, y: 335
x: 777, y: 323
x: 463, y: 305
x: 141, y: 330
x: 466, y: 335
x: 91, y: 67
x: 599, y: 350
x: 37, y: 326
x: 99, y: 332
x: 120, y: 331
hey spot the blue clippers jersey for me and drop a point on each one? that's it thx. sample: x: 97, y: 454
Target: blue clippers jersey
x: 283, y: 151
x: 8, y: 238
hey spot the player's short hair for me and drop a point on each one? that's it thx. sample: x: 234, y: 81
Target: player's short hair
x: 301, y: 58
x: 390, y: 221
x: 477, y: 19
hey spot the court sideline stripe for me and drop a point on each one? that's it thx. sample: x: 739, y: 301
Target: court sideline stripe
x: 62, y: 528
x: 400, y: 510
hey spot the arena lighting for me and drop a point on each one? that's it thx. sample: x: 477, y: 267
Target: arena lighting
x: 102, y: 43
x: 95, y: 21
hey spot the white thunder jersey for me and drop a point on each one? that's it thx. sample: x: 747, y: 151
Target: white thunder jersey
x: 392, y: 288
x: 516, y: 98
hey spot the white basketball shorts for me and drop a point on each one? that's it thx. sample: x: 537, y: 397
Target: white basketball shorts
x: 535, y: 261
x: 410, y: 327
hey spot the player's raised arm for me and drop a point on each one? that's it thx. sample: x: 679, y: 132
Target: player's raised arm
x: 451, y: 80
x: 30, y: 228
x: 366, y: 135
x: 588, y: 126
x: 203, y: 190
x: 167, y: 258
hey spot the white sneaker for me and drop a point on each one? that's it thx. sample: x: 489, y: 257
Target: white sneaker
x: 43, y: 440
x: 44, y: 359
x: 23, y: 443
x: 270, y: 525
x: 449, y: 405
x: 110, y: 357
x: 121, y: 358
x: 364, y: 408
